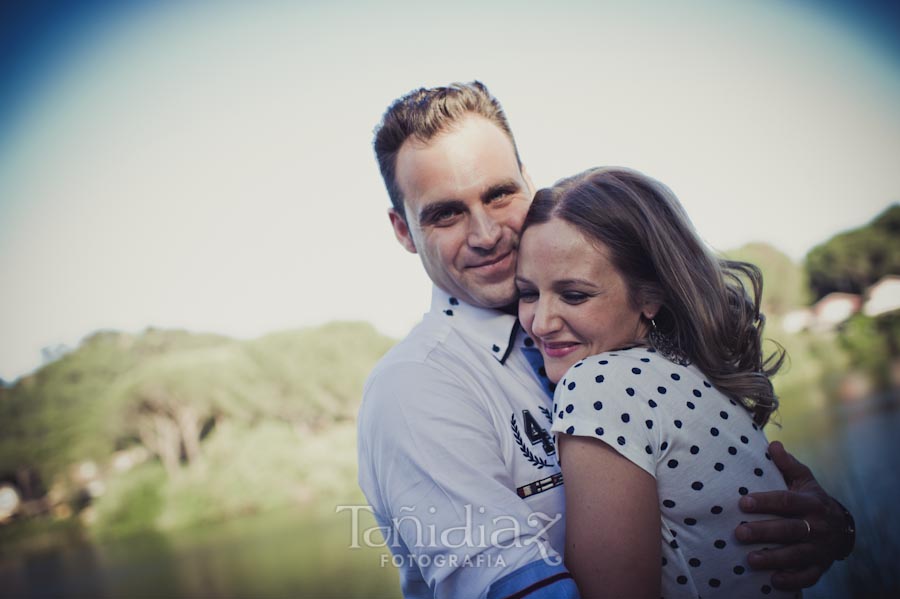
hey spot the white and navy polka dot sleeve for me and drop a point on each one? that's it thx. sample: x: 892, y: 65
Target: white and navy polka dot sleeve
x: 610, y: 397
x: 702, y: 448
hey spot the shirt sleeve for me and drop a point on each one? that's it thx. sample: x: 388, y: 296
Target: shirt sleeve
x: 608, y: 397
x: 431, y: 466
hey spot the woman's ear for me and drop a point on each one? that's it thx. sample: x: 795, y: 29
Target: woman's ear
x: 649, y: 310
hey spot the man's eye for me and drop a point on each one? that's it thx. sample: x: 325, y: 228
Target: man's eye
x: 443, y: 216
x: 501, y: 198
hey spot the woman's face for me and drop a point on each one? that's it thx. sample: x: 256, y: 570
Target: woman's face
x: 572, y: 301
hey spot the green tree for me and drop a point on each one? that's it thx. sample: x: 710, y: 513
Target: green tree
x: 852, y: 261
x: 872, y: 344
x: 784, y: 282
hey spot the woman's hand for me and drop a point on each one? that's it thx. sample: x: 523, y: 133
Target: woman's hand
x: 815, y: 529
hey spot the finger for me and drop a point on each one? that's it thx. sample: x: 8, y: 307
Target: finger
x: 798, y: 579
x: 793, y: 471
x: 781, y: 531
x: 782, y: 503
x: 793, y: 557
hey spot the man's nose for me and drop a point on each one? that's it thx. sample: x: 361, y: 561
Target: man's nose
x: 484, y: 231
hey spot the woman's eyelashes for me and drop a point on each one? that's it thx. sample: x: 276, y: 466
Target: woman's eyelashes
x: 574, y: 297
x: 528, y: 295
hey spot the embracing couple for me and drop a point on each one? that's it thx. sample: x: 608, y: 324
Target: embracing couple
x: 581, y: 411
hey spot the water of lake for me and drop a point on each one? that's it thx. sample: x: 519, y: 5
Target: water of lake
x: 287, y: 554
x: 860, y: 465
x: 278, y: 554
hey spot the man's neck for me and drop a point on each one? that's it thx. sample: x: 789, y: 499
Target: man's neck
x: 512, y: 308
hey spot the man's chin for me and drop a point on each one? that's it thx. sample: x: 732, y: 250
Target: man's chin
x: 497, y: 297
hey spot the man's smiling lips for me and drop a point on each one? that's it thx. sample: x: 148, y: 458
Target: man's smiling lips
x: 499, y: 264
x: 558, y: 349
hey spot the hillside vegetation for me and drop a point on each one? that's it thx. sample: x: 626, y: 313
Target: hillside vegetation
x: 229, y: 426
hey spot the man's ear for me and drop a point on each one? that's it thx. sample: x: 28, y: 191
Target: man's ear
x: 401, y: 230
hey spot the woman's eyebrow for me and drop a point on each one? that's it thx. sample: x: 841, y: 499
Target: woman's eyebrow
x: 562, y: 283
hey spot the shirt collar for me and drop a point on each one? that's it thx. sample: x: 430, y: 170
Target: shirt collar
x: 493, y: 329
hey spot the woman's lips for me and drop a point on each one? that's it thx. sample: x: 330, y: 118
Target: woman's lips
x: 559, y: 349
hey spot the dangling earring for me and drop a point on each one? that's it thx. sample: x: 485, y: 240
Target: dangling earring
x: 666, y: 346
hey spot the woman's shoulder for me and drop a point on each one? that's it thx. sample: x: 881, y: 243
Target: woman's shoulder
x: 626, y: 375
x: 639, y: 362
x: 637, y: 373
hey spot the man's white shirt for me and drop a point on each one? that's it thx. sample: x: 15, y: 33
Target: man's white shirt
x: 456, y: 459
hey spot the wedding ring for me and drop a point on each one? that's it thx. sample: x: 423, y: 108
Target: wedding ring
x: 808, y: 529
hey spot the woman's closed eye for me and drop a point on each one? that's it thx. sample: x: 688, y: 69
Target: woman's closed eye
x: 527, y: 295
x: 574, y: 297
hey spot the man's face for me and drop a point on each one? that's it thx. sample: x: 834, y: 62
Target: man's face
x: 466, y: 199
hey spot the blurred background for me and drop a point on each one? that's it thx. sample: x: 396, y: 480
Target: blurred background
x: 198, y: 272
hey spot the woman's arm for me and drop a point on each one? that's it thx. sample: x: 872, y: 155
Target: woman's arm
x: 612, y: 521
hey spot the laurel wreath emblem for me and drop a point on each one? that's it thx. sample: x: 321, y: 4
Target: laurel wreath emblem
x: 539, y: 463
x: 547, y: 413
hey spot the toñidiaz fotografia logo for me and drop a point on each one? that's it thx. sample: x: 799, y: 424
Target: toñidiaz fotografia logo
x: 420, y: 535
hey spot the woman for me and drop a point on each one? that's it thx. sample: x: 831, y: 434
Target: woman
x: 663, y: 389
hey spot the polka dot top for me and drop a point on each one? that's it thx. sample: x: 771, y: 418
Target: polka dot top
x: 703, y: 449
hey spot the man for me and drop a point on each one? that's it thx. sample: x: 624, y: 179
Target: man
x: 454, y: 453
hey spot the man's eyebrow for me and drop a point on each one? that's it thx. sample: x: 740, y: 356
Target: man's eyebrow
x: 429, y: 212
x: 502, y: 188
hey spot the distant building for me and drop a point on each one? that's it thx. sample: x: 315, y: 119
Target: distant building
x: 829, y: 312
x: 883, y: 296
x: 10, y: 500
x: 835, y: 308
x: 798, y: 320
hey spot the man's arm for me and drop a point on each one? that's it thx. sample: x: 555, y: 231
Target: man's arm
x: 808, y: 551
x: 431, y: 463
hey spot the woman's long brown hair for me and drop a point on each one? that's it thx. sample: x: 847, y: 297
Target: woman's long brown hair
x: 710, y: 307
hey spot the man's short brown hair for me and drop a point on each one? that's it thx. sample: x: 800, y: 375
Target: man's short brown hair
x: 423, y: 114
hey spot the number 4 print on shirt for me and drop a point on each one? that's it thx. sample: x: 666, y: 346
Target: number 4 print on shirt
x: 536, y: 434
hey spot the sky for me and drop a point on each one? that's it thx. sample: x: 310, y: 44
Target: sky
x: 208, y: 166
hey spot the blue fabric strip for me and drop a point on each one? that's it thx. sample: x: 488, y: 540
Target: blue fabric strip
x: 537, y: 580
x: 536, y: 361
